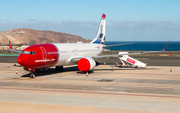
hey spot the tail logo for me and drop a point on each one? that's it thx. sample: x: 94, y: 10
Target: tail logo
x: 100, y: 37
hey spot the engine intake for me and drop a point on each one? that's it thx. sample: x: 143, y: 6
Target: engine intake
x: 86, y: 64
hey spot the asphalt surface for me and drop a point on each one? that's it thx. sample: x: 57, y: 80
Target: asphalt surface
x: 150, y: 60
x: 8, y: 59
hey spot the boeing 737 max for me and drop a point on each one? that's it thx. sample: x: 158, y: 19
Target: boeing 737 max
x: 61, y: 54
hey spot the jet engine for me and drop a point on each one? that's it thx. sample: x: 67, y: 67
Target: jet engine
x: 86, y: 64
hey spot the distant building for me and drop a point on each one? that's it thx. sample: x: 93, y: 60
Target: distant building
x: 14, y: 47
x: 7, y: 47
x: 22, y: 47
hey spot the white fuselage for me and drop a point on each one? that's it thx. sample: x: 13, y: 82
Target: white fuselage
x: 67, y: 51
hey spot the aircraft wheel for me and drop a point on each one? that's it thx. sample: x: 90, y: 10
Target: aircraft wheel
x: 32, y: 75
x: 59, y: 68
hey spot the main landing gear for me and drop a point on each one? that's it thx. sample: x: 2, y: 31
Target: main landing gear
x: 32, y: 75
x: 59, y: 68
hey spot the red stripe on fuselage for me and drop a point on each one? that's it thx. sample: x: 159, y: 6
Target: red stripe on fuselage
x: 46, y: 56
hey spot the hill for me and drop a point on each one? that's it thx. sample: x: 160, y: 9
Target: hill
x: 29, y: 37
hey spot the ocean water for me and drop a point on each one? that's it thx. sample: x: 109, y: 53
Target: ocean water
x: 144, y: 45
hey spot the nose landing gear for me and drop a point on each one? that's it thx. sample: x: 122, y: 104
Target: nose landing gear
x: 32, y: 75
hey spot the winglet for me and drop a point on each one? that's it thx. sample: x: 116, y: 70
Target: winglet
x: 166, y: 45
x: 165, y: 48
x: 10, y: 46
x: 167, y: 53
x: 103, y: 16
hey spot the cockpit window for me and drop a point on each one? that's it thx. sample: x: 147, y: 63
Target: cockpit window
x: 33, y: 52
x: 26, y: 52
x: 29, y: 52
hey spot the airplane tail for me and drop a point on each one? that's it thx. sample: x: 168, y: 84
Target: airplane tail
x: 10, y: 46
x: 100, y: 37
x: 11, y: 49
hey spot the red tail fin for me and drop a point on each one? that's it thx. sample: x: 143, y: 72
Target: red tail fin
x: 10, y: 46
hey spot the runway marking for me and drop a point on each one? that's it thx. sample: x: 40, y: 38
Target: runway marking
x: 87, y: 92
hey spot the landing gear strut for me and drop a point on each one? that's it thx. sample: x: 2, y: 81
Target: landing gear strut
x: 59, y: 68
x: 32, y: 75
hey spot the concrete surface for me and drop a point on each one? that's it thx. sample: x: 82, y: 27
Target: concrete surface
x: 123, y: 90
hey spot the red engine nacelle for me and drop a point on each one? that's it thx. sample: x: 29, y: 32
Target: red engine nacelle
x: 86, y: 64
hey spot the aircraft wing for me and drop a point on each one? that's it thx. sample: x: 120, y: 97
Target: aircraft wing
x: 147, y: 52
x: 15, y: 51
x: 118, y: 55
x: 116, y: 45
x: 10, y: 48
x: 74, y: 60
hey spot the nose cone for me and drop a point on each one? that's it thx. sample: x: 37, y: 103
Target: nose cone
x: 22, y: 61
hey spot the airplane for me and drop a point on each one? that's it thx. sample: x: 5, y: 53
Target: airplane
x: 61, y: 54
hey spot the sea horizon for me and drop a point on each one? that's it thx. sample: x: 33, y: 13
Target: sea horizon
x: 145, y: 45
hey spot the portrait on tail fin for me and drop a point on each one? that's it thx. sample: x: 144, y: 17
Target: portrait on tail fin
x: 100, y: 37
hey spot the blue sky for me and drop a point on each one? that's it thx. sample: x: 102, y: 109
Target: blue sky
x: 127, y: 20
